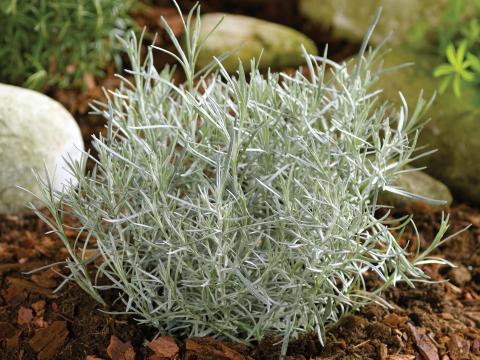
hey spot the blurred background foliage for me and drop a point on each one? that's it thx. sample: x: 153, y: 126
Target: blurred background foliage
x: 457, y: 43
x: 64, y: 44
x: 45, y: 43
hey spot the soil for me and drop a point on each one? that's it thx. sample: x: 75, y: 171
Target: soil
x: 430, y: 321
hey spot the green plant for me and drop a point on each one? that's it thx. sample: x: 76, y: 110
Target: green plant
x: 457, y: 69
x: 45, y: 43
x: 459, y: 44
x: 241, y: 205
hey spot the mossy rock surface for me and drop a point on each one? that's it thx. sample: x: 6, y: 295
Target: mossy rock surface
x: 454, y: 129
x: 402, y: 18
x: 281, y: 45
x: 35, y: 132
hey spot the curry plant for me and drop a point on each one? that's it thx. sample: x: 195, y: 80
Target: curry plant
x: 46, y: 43
x: 243, y: 204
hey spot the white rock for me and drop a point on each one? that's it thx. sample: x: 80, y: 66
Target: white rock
x: 34, y: 130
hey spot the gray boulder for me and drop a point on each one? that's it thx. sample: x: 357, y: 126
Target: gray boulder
x: 281, y: 45
x: 455, y: 126
x: 350, y: 19
x: 34, y: 130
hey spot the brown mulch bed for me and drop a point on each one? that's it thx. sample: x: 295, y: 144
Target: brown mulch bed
x: 432, y: 321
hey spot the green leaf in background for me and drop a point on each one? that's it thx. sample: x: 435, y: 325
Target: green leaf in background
x: 457, y: 70
x: 471, y: 33
x: 41, y: 39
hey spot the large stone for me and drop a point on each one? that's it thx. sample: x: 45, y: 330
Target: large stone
x: 351, y: 19
x: 418, y: 183
x: 281, y: 45
x: 455, y: 126
x: 34, y: 130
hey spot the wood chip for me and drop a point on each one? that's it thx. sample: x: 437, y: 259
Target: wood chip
x: 39, y: 307
x: 46, y: 342
x: 473, y: 315
x: 45, y: 279
x: 39, y: 323
x: 18, y: 267
x: 394, y: 320
x: 447, y: 316
x: 7, y: 330
x: 14, y: 341
x: 401, y: 357
x: 203, y: 348
x: 424, y: 344
x: 29, y: 286
x: 164, y: 346
x: 475, y: 347
x: 14, y: 295
x: 458, y: 347
x: 382, y: 351
x: 25, y: 316
x: 119, y: 350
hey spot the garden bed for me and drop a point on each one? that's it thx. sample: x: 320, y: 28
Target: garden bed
x: 431, y: 321
x: 37, y: 323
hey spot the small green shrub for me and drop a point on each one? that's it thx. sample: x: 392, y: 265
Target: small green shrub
x: 241, y: 205
x: 459, y: 45
x: 45, y: 43
x: 458, y: 69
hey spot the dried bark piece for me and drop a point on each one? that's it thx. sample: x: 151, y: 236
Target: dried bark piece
x: 164, y: 347
x: 50, y: 351
x: 19, y: 267
x: 394, y: 319
x: 204, y: 348
x: 401, y: 357
x: 46, y: 342
x: 447, y: 316
x: 45, y: 246
x: 45, y: 279
x: 14, y: 295
x: 460, y: 275
x: 14, y: 341
x: 29, y: 286
x: 25, y: 316
x: 473, y: 315
x: 7, y: 330
x: 39, y: 323
x: 424, y: 344
x: 458, y: 347
x: 119, y: 350
x: 39, y: 307
x: 382, y: 351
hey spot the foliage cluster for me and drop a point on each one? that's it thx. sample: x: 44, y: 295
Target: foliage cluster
x: 241, y: 205
x: 46, y: 43
x: 459, y: 45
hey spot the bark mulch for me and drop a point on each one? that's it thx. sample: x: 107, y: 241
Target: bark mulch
x: 431, y: 321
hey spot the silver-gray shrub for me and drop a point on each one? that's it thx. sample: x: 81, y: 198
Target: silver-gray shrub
x: 241, y: 205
